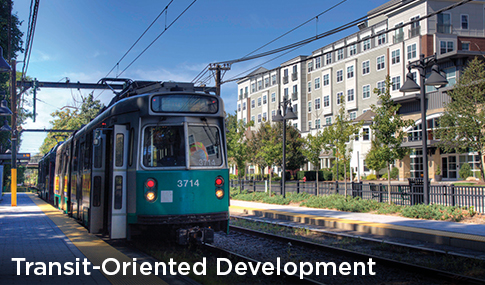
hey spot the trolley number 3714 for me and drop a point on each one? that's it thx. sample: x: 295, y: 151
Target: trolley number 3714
x: 188, y: 183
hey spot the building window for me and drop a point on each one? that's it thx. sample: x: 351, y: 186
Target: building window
x: 353, y: 115
x: 328, y: 57
x: 396, y: 83
x: 244, y: 106
x: 464, y: 22
x: 285, y: 92
x: 366, y: 44
x: 309, y: 125
x: 253, y: 104
x: 266, y: 82
x: 366, y: 67
x: 310, y: 66
x: 273, y: 113
x: 310, y: 106
x: 396, y: 56
x: 444, y: 23
x: 260, y: 85
x: 273, y: 79
x: 353, y: 49
x: 366, y: 91
x: 264, y: 99
x: 340, y: 75
x: 317, y: 123
x: 326, y: 80
x: 317, y: 104
x: 340, y: 54
x: 259, y: 101
x: 239, y: 107
x: 412, y: 51
x: 259, y: 118
x: 253, y: 87
x: 381, y: 63
x: 245, y: 92
x: 326, y: 101
x: 264, y: 117
x: 317, y: 83
x: 350, y: 95
x: 350, y: 71
x: 310, y: 86
x: 465, y: 46
x: 328, y: 121
x: 318, y: 62
x: 340, y: 95
x: 446, y: 46
x: 365, y: 134
x: 273, y: 97
x: 252, y: 118
x: 381, y: 85
x: 244, y: 121
x: 381, y: 39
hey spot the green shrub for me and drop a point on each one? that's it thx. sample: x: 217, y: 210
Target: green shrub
x: 394, y: 173
x: 465, y: 171
x: 371, y: 177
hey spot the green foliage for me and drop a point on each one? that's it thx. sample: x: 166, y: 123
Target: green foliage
x: 461, y: 125
x: 394, y: 173
x: 323, y: 175
x: 438, y: 169
x: 371, y: 177
x: 435, y: 212
x: 71, y: 120
x: 237, y: 147
x: 465, y: 171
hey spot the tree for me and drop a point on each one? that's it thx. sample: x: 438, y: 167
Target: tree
x: 388, y: 128
x: 461, y: 127
x: 237, y: 147
x: 314, y: 145
x: 71, y: 120
x: 341, y: 132
x: 294, y: 146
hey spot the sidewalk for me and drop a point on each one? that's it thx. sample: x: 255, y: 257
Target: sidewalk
x: 26, y: 232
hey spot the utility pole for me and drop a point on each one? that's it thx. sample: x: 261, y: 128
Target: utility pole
x: 13, y: 107
x: 218, y: 76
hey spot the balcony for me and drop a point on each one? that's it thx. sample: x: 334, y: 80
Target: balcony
x: 414, y: 32
x: 443, y: 28
x: 398, y: 37
x: 294, y: 96
x: 294, y: 76
x: 285, y: 79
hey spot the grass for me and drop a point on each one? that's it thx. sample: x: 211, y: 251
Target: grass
x: 357, y: 204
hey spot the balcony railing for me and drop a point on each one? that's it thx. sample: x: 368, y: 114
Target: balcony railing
x: 294, y: 76
x: 398, y: 37
x: 294, y: 96
x: 415, y: 31
x: 443, y: 28
x: 285, y: 79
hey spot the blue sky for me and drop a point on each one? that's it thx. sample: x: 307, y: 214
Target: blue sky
x: 83, y: 40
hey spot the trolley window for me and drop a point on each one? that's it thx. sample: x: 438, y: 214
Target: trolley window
x: 205, y: 146
x: 185, y: 103
x: 164, y: 146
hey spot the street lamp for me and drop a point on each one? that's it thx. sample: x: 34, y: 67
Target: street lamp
x: 289, y: 115
x: 435, y: 79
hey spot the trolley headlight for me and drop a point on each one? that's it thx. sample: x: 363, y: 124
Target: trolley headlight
x: 219, y: 193
x: 150, y: 196
x: 151, y: 189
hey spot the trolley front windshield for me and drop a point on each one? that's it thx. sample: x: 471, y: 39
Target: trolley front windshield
x: 165, y: 146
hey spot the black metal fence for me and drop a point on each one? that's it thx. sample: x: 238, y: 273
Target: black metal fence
x: 401, y: 194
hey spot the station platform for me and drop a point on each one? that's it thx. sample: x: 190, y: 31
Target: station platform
x: 35, y: 232
x: 453, y: 234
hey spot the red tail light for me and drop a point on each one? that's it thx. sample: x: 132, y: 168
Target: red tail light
x: 219, y: 181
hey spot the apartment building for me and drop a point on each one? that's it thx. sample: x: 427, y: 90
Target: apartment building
x: 349, y: 70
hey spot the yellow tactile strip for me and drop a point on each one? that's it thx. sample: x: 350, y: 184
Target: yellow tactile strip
x: 361, y: 226
x: 95, y: 249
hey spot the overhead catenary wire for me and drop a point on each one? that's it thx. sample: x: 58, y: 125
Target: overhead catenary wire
x: 163, y: 32
x: 204, y: 71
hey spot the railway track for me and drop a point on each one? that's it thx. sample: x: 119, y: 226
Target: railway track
x: 437, y: 275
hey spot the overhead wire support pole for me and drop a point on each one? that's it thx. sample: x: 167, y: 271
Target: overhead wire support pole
x: 13, y: 107
x: 218, y: 76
